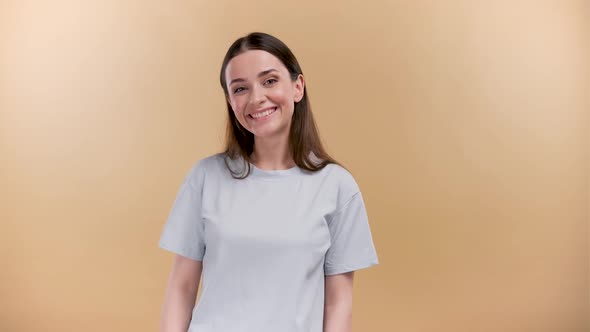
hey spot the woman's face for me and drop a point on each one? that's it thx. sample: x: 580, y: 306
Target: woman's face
x: 262, y: 94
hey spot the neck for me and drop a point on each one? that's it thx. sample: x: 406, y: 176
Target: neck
x: 272, y: 153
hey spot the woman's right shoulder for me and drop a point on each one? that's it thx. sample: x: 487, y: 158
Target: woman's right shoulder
x: 206, y: 165
x: 210, y: 161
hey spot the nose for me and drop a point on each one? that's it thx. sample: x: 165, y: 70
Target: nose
x: 257, y: 96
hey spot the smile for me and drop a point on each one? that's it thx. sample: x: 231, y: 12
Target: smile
x: 264, y: 114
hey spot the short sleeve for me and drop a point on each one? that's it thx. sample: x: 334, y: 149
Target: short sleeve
x: 352, y: 245
x: 183, y: 232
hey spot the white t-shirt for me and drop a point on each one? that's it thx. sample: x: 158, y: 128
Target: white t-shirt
x: 266, y: 243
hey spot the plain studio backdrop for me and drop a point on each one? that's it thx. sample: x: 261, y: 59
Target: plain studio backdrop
x: 465, y: 124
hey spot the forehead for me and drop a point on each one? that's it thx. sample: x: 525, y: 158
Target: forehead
x: 248, y: 64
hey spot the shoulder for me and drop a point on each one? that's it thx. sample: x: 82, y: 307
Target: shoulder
x: 205, y: 166
x: 341, y: 176
x: 342, y: 180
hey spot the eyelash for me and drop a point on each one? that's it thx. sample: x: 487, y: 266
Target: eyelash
x: 270, y: 79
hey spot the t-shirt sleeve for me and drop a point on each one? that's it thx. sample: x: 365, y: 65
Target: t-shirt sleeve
x: 352, y: 245
x: 183, y: 232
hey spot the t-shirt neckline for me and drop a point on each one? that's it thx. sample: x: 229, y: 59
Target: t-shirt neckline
x: 276, y: 173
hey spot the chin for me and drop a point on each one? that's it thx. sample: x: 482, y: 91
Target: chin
x: 269, y: 134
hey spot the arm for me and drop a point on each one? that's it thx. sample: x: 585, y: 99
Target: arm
x: 181, y: 293
x: 338, y: 303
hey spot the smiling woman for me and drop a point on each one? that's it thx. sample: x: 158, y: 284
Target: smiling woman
x: 263, y: 100
x: 260, y: 73
x: 273, y: 224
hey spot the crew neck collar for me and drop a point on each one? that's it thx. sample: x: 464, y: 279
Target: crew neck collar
x: 276, y: 173
x: 237, y: 165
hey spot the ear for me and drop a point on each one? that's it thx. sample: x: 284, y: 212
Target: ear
x: 299, y: 88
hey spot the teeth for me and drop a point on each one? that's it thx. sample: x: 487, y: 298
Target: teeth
x: 263, y: 114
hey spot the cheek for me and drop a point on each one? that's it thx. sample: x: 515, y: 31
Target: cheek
x: 237, y: 106
x: 282, y: 96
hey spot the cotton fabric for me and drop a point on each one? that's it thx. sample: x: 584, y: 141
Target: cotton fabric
x: 267, y: 242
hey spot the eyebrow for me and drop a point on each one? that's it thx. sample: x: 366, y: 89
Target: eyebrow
x: 262, y: 73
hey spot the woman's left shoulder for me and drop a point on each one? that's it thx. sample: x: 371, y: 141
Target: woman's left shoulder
x: 341, y: 177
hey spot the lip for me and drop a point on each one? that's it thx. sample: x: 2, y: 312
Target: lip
x: 262, y: 110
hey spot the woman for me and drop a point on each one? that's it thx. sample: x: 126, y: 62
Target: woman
x: 275, y: 227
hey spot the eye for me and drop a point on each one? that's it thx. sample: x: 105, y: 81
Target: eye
x: 239, y: 89
x: 270, y: 81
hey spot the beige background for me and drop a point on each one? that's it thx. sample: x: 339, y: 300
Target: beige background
x: 464, y: 122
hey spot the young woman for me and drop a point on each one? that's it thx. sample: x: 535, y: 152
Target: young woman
x: 272, y: 227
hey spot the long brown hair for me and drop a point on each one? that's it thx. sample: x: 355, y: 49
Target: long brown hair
x: 304, y: 138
